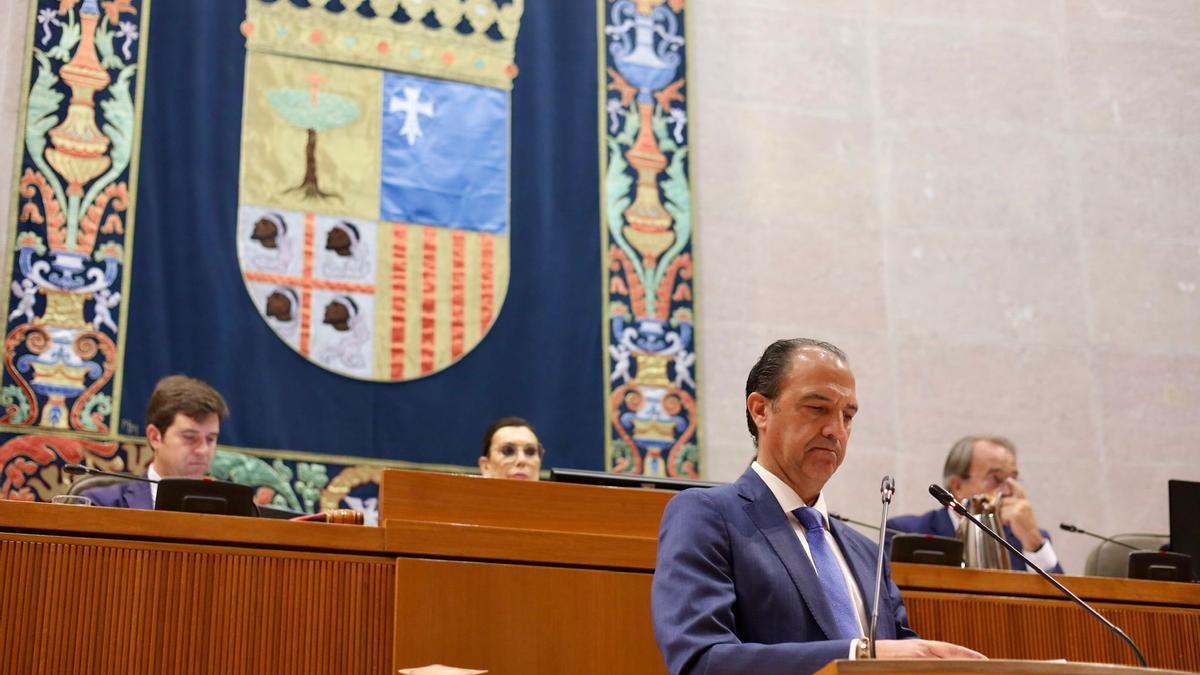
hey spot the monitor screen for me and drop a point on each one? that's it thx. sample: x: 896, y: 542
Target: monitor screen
x: 1184, y: 496
x: 624, y: 480
x: 198, y: 495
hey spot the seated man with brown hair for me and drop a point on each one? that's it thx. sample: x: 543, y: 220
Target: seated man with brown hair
x: 183, y: 421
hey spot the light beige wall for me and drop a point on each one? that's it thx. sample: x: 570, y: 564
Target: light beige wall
x: 992, y: 206
x: 13, y: 26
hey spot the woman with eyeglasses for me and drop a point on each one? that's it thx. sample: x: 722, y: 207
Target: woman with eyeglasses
x: 511, y: 449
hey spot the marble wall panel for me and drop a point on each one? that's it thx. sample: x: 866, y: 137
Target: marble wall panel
x: 13, y: 30
x: 985, y: 289
x: 1176, y: 20
x: 820, y: 69
x: 1134, y: 86
x: 1036, y: 395
x: 1145, y: 295
x: 969, y: 76
x: 989, y: 183
x: 773, y: 166
x: 1148, y: 406
x: 1028, y: 14
x: 1140, y: 187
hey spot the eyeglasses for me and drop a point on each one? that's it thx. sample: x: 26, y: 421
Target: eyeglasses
x: 510, y: 450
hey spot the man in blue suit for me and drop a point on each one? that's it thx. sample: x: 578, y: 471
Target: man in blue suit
x: 753, y: 577
x: 979, y: 465
x: 183, y: 420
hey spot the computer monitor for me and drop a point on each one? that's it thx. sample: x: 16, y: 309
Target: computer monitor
x: 1184, y: 503
x: 927, y: 549
x: 628, y: 480
x: 198, y: 495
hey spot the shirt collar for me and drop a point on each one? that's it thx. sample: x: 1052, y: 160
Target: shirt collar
x: 153, y: 475
x: 784, y: 494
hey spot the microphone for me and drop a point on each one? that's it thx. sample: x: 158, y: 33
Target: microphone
x: 886, y: 489
x: 1071, y: 528
x: 844, y: 519
x: 79, y: 470
x: 942, y: 495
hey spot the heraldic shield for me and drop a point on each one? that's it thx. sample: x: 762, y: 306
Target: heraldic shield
x: 372, y: 227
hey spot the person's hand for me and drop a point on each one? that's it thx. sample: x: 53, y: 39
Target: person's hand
x: 1016, y: 511
x: 923, y: 649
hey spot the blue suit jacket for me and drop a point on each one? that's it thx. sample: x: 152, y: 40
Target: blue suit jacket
x: 734, y: 591
x: 938, y: 522
x: 126, y: 495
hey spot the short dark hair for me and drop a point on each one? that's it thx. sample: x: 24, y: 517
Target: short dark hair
x: 766, y: 377
x: 507, y: 422
x: 182, y: 394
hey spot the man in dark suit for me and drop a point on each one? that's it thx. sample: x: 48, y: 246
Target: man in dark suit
x: 753, y: 577
x: 978, y: 465
x: 183, y: 421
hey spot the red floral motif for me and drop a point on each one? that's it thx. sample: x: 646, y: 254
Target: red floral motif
x: 24, y: 457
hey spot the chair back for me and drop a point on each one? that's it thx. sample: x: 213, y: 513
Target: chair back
x: 89, y: 482
x: 1112, y: 560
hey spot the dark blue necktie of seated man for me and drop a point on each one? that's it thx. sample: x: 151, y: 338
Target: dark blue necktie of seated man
x: 830, y: 573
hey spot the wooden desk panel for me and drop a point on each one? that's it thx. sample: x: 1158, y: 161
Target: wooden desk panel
x: 1013, y: 615
x: 521, y: 620
x: 85, y: 605
x: 557, y: 507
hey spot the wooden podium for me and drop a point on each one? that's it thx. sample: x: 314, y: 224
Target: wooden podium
x: 951, y: 667
x: 518, y: 577
x: 515, y: 578
x: 511, y: 577
x: 1017, y: 615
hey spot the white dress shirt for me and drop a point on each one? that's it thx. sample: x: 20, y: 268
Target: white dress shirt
x: 153, y: 475
x: 790, y: 501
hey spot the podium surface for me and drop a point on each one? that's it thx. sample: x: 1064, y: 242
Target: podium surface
x: 499, y: 575
x: 964, y: 667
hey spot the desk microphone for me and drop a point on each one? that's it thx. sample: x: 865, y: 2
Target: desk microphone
x: 886, y: 489
x: 79, y: 470
x: 1071, y: 528
x: 942, y: 495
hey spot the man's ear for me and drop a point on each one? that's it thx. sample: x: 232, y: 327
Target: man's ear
x: 955, y: 485
x: 758, y: 404
x: 483, y: 464
x: 153, y: 437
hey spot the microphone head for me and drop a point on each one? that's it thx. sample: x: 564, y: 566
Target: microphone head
x: 887, y: 488
x: 943, y: 495
x: 75, y: 469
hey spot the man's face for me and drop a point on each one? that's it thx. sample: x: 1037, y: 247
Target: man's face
x: 514, y: 453
x: 185, y: 449
x: 991, y: 467
x: 802, y: 434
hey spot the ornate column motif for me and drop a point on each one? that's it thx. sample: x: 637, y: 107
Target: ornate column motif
x: 652, y: 414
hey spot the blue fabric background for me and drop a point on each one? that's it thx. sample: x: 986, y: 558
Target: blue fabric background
x: 189, y: 311
x: 456, y: 173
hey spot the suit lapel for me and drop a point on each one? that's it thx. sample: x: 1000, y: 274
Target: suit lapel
x: 764, y: 510
x: 942, y: 526
x: 137, y: 495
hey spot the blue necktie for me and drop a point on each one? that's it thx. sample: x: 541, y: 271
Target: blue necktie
x: 830, y: 574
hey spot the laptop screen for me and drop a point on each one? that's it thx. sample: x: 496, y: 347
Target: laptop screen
x: 1184, y: 496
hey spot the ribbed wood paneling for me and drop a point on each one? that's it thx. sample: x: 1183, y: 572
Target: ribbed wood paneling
x: 90, y: 608
x: 1026, y: 628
